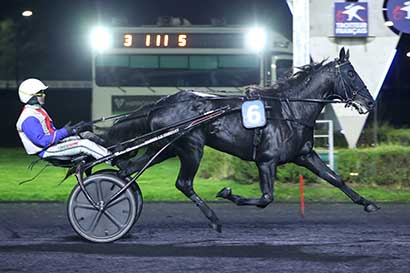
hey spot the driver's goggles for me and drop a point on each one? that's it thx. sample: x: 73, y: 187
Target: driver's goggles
x: 40, y: 94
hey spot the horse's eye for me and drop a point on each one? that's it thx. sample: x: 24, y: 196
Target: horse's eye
x: 350, y: 73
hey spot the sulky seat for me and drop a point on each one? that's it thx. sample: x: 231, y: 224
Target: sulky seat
x: 65, y: 161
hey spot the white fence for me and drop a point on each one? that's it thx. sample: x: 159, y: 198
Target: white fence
x: 330, y: 144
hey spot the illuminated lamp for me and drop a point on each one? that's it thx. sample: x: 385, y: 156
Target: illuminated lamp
x: 256, y: 39
x: 101, y: 39
x: 27, y: 13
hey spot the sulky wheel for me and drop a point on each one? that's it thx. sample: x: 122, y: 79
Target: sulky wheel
x: 134, y: 187
x: 112, y: 222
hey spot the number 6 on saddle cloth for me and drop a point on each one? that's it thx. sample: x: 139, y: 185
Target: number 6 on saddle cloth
x: 253, y: 114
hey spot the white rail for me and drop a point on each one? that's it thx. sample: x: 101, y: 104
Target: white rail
x: 4, y: 84
x: 329, y: 136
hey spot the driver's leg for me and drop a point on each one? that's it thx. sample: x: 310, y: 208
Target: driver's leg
x: 74, y: 147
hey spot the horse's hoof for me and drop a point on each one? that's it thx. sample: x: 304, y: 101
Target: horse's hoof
x: 262, y: 206
x: 216, y: 227
x: 224, y: 193
x: 371, y: 207
x: 265, y: 201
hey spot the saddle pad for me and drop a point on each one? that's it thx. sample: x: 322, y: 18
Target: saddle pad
x: 253, y: 114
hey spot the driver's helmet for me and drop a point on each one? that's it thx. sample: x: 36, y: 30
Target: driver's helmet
x: 29, y: 88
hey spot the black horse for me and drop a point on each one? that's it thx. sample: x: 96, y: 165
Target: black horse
x: 292, y: 105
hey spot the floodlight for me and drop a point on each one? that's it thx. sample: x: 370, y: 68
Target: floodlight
x: 101, y: 39
x: 27, y: 13
x: 256, y: 39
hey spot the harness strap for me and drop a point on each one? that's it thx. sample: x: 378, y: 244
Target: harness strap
x: 300, y: 121
x: 257, y: 137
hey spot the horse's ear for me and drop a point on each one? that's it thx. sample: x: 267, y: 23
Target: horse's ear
x: 347, y: 55
x: 342, y: 54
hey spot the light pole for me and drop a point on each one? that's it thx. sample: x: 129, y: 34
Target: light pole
x: 26, y: 14
x: 256, y: 41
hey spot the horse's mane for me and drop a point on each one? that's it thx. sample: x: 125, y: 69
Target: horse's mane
x: 287, y: 85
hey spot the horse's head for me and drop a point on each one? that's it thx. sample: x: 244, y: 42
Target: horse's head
x: 349, y: 87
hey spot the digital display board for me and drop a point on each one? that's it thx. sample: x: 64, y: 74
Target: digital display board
x: 180, y: 40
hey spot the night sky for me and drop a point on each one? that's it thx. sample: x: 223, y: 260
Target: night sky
x: 54, y: 41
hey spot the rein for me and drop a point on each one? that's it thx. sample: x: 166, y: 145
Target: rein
x: 300, y: 100
x: 338, y: 76
x: 282, y: 99
x: 348, y: 101
x: 242, y: 98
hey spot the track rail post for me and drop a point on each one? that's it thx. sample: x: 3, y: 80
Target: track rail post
x: 302, y: 196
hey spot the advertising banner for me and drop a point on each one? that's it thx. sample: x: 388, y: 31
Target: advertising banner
x: 122, y: 104
x: 398, y: 13
x: 351, y: 19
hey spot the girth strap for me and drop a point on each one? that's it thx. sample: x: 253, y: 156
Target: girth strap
x: 257, y: 137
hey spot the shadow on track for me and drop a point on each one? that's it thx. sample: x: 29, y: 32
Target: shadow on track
x: 292, y: 252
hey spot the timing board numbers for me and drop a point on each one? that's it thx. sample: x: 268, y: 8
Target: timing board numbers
x: 155, y: 40
x: 179, y: 40
x: 127, y: 40
x: 253, y: 114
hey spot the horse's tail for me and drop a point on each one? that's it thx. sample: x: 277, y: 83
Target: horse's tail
x: 129, y: 126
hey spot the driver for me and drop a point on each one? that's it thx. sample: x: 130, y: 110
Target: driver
x: 37, y: 131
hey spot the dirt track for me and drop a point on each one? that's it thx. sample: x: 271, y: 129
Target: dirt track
x: 174, y: 237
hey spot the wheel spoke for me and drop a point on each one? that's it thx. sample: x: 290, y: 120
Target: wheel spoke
x: 113, y: 219
x: 116, y: 201
x: 99, y: 190
x: 84, y: 206
x: 95, y: 221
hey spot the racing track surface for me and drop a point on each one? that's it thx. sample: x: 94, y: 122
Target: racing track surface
x: 174, y: 237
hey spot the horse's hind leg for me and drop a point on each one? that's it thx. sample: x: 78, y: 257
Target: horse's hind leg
x: 313, y: 162
x: 266, y: 182
x: 189, y: 166
x: 136, y: 164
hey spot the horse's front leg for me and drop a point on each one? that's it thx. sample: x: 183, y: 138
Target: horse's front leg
x: 266, y: 182
x: 313, y: 162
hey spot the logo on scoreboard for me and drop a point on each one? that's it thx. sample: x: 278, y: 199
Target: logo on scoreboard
x: 122, y: 104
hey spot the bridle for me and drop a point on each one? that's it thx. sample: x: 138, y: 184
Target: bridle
x: 341, y: 72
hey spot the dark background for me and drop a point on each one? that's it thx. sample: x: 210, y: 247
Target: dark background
x: 59, y: 30
x: 53, y: 44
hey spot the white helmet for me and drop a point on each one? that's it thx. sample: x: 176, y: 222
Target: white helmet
x: 29, y: 88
